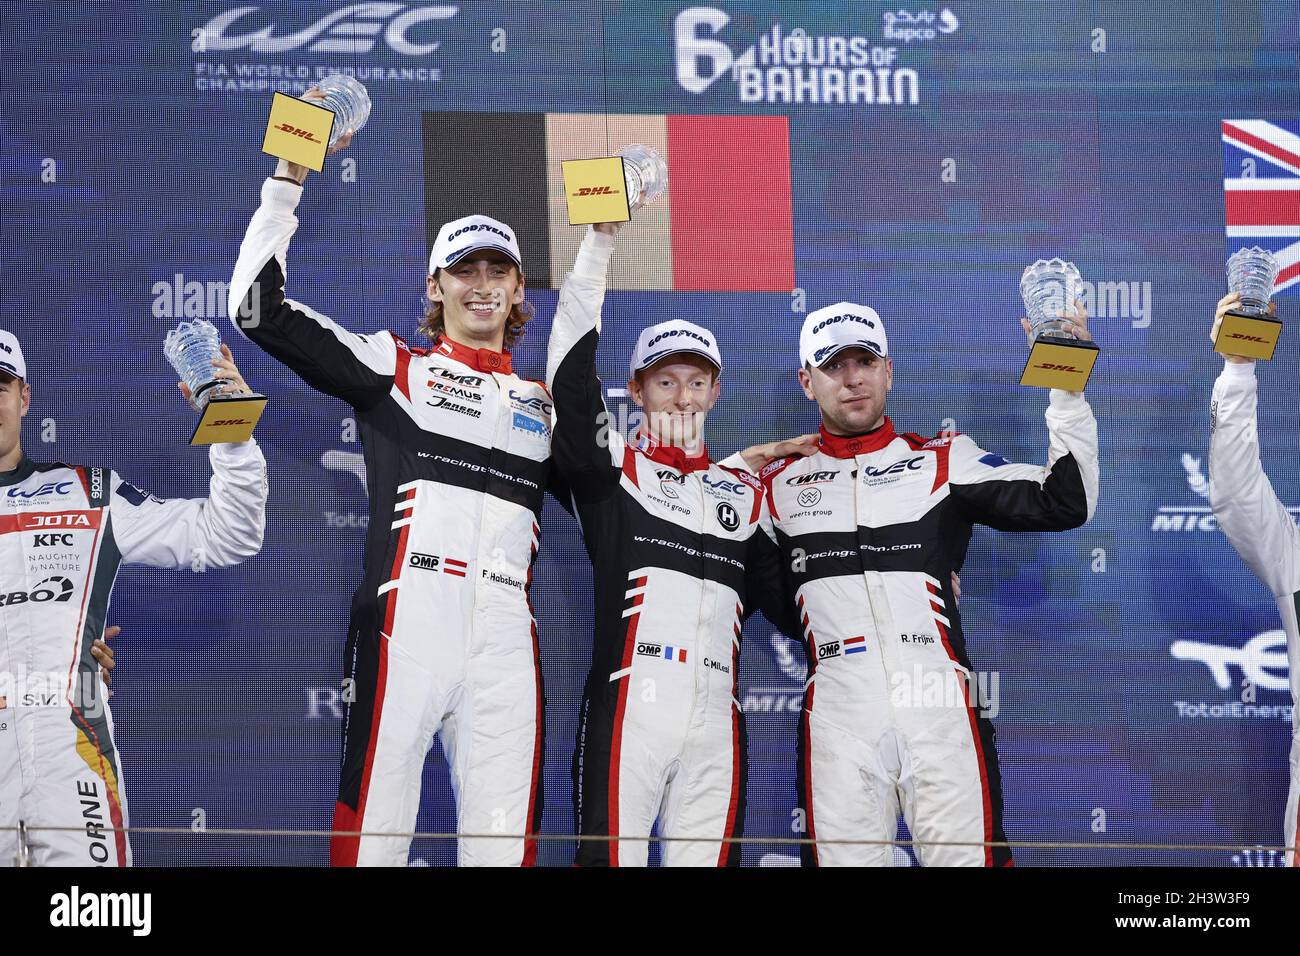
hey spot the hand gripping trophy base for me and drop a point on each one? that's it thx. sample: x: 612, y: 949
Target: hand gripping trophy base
x: 1248, y: 334
x: 1063, y: 363
x: 229, y: 418
x: 1248, y: 330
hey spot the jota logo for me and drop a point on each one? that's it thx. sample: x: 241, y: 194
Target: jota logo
x: 351, y: 29
x: 49, y: 488
x: 59, y: 521
x: 56, y: 589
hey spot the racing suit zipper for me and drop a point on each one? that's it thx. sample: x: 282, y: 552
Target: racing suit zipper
x: 862, y: 516
x: 500, y: 439
x: 701, y: 632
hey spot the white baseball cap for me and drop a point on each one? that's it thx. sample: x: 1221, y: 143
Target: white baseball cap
x: 673, y: 337
x: 459, y: 238
x: 841, y: 326
x: 11, y: 356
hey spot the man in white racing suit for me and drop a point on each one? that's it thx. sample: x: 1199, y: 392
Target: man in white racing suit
x: 1257, y: 523
x: 457, y: 449
x: 672, y: 538
x: 871, y: 529
x: 64, y: 530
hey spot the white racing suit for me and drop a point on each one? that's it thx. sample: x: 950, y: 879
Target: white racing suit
x: 672, y: 542
x: 1262, y: 531
x: 870, y: 530
x: 64, y: 530
x: 442, y: 638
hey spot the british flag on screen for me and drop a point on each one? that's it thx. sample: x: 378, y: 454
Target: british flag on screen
x: 1261, y: 191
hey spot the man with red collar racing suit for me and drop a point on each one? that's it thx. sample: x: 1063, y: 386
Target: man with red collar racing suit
x: 671, y: 536
x: 870, y: 529
x: 442, y: 638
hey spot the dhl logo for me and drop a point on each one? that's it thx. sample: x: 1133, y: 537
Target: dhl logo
x: 234, y: 421
x: 1247, y: 338
x: 295, y: 131
x: 1048, y: 367
x: 596, y: 191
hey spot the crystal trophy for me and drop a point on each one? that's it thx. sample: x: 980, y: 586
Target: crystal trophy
x: 348, y: 100
x: 1248, y: 330
x: 646, y: 175
x: 302, y: 131
x: 1057, y: 358
x: 191, y: 348
x: 611, y: 188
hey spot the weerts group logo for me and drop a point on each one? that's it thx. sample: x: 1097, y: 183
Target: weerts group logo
x: 400, y: 36
x: 790, y: 65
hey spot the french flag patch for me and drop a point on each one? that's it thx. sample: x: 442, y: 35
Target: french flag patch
x: 675, y: 654
x: 855, y: 645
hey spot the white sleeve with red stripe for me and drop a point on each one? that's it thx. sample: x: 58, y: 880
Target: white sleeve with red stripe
x: 220, y: 530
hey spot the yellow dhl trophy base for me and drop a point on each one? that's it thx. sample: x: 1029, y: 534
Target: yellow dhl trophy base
x: 595, y: 190
x: 1060, y: 363
x: 228, y: 418
x: 1251, y: 336
x: 298, y: 131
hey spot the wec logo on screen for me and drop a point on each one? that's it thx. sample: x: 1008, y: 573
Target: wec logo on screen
x: 350, y: 29
x: 790, y: 65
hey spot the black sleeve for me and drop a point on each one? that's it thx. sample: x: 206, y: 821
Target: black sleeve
x: 585, y: 447
x: 356, y: 368
x: 767, y: 586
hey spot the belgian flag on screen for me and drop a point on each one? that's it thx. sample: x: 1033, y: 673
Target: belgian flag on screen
x: 726, y: 224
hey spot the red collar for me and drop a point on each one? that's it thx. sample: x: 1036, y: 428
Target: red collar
x: 841, y: 446
x: 670, y: 455
x: 481, y: 360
